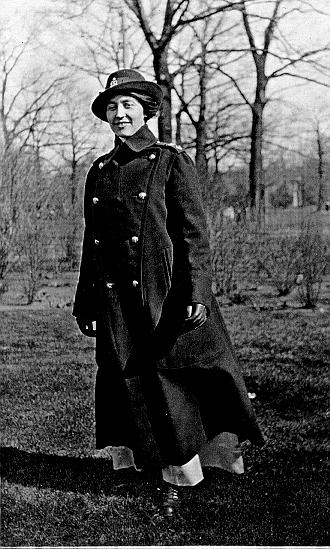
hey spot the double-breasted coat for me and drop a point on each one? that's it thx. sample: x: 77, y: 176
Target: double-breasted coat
x: 145, y: 257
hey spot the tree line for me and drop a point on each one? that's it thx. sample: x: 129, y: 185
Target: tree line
x: 219, y: 64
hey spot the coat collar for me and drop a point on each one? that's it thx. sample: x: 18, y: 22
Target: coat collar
x: 142, y: 139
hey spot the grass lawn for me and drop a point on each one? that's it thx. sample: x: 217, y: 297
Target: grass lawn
x: 55, y: 492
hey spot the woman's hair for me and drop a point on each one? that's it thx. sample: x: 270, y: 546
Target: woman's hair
x: 150, y: 106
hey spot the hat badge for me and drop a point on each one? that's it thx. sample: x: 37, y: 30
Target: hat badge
x: 113, y: 82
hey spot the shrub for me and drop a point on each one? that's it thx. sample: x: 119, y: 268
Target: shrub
x: 281, y: 198
x: 229, y: 241
x: 7, y: 257
x: 286, y: 257
x: 32, y: 247
x: 312, y: 264
x: 278, y: 257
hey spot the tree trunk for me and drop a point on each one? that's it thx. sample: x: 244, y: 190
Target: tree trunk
x: 71, y: 249
x: 256, y: 175
x: 164, y: 80
x: 178, y: 139
x: 201, y: 161
x: 320, y: 171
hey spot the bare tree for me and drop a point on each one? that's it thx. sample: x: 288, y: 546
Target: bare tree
x: 205, y: 98
x: 177, y: 15
x: 322, y: 145
x: 195, y: 106
x: 275, y: 47
x: 107, y: 38
x: 110, y: 35
x: 27, y: 103
x: 76, y: 140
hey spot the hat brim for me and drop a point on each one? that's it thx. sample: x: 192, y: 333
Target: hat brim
x: 99, y: 105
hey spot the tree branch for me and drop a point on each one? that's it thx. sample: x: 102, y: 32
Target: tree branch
x: 302, y: 58
x: 306, y: 78
x: 269, y: 33
x: 236, y: 86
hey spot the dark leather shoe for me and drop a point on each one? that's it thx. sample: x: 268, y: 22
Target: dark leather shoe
x: 171, y: 501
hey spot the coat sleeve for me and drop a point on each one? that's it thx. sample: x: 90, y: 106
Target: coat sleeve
x: 84, y: 301
x: 188, y: 230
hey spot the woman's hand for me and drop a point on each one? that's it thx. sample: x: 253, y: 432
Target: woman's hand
x: 196, y: 315
x: 86, y: 326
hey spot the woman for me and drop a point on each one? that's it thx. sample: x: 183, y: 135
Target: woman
x: 168, y: 382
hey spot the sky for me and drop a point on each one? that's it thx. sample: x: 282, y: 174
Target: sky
x: 303, y: 31
x: 23, y: 9
x: 21, y: 12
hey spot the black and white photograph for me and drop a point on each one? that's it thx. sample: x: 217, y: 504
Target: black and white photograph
x: 164, y: 273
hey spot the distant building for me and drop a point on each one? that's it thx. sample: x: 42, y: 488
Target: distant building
x: 229, y: 212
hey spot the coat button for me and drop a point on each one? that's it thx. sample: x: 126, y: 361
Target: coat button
x: 101, y: 165
x: 142, y: 195
x: 95, y: 200
x: 135, y: 283
x: 152, y: 156
x: 96, y: 242
x: 135, y: 239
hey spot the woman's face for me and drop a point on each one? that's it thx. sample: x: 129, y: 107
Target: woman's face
x: 125, y: 115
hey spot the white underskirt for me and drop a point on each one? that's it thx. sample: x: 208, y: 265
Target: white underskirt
x: 223, y: 451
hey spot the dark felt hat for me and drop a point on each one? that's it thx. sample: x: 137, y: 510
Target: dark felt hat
x: 119, y: 82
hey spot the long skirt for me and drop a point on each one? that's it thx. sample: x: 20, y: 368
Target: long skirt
x: 152, y: 400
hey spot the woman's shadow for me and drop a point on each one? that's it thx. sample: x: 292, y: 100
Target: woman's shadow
x: 83, y: 475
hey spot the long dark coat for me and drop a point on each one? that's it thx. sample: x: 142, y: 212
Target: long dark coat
x: 137, y: 291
